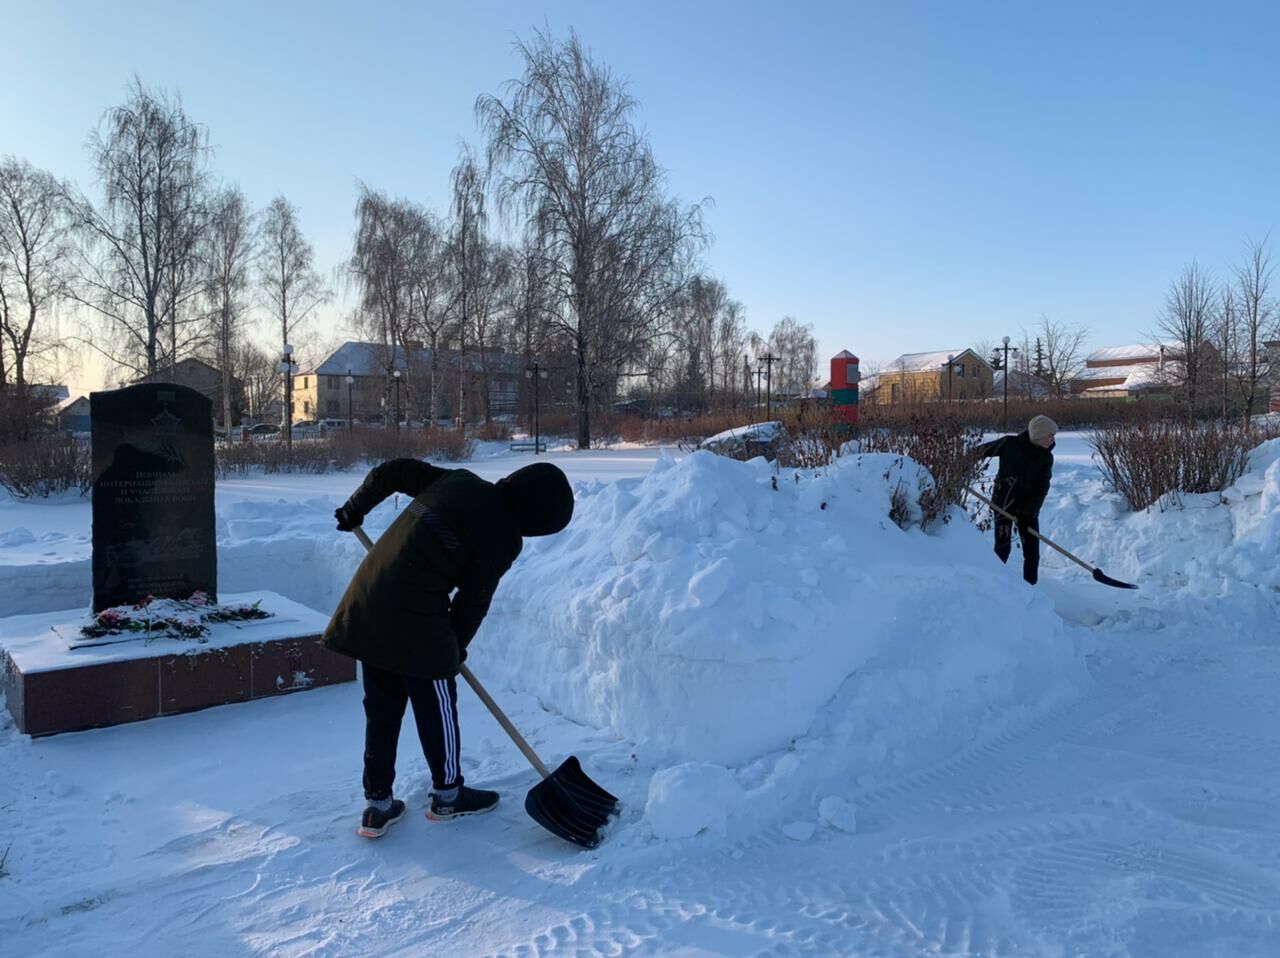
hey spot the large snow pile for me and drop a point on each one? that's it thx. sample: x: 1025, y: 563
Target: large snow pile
x: 705, y: 614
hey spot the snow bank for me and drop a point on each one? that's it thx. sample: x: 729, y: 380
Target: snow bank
x: 1208, y: 545
x: 703, y: 612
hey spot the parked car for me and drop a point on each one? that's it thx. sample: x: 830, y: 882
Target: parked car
x: 329, y: 424
x: 263, y: 429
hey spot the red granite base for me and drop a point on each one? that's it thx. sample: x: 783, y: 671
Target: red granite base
x: 99, y: 694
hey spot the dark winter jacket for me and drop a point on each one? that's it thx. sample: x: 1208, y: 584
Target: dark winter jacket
x: 460, y: 531
x: 1022, y: 481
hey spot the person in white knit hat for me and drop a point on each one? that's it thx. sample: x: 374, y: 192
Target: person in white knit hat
x: 1022, y: 483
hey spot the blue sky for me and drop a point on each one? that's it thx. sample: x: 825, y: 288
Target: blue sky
x: 904, y: 176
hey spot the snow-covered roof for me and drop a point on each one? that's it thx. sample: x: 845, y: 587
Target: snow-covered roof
x: 926, y: 362
x: 359, y: 359
x: 1132, y: 378
x: 375, y: 359
x: 68, y: 403
x: 1136, y: 352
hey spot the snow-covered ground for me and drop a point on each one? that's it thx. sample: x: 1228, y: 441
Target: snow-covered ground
x: 830, y: 736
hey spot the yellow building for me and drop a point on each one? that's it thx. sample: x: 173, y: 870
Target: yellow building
x: 947, y: 375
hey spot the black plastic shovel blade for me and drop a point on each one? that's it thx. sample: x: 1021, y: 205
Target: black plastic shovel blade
x: 1100, y: 576
x: 569, y: 804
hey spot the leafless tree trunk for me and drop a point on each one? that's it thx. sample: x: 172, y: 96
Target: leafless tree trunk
x: 567, y: 155
x: 429, y: 299
x: 291, y: 288
x: 1188, y: 320
x: 381, y: 267
x: 731, y: 339
x: 229, y: 254
x: 1063, y: 353
x: 1257, y: 321
x: 140, y: 253
x: 467, y: 254
x: 35, y: 240
x: 260, y: 373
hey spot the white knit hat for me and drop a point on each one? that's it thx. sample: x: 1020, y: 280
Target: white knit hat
x: 1041, y: 426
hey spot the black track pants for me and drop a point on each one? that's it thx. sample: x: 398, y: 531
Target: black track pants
x: 1030, y: 544
x: 435, y: 711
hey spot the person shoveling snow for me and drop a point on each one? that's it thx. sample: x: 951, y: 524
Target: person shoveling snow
x: 1022, y: 483
x: 396, y: 617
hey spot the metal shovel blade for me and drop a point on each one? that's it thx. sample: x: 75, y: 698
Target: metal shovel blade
x: 569, y: 804
x: 1100, y: 576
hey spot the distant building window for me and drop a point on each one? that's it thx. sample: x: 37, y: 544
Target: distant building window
x: 333, y: 382
x: 960, y: 370
x: 895, y: 392
x: 304, y: 382
x: 333, y: 405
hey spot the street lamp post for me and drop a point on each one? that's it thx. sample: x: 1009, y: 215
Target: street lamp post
x: 350, y: 411
x: 769, y: 359
x: 759, y: 381
x: 1005, y: 366
x: 950, y: 360
x: 536, y: 371
x: 396, y: 375
x: 287, y: 368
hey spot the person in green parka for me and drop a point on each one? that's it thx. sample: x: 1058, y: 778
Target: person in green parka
x: 415, y: 604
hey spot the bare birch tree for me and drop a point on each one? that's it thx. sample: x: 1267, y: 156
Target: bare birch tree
x: 259, y: 370
x: 731, y: 341
x: 1062, y: 349
x: 794, y: 344
x: 228, y: 261
x: 291, y: 287
x: 468, y: 251
x: 1256, y: 320
x: 381, y: 267
x: 140, y: 258
x: 1188, y: 319
x: 565, y: 154
x: 430, y: 293
x: 35, y: 242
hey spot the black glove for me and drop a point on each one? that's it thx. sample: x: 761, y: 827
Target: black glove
x: 347, y: 518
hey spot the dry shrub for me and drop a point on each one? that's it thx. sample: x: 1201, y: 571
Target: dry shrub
x: 46, y: 466
x: 494, y: 431
x: 1155, y: 463
x: 941, y: 444
x: 988, y: 415
x: 341, y: 450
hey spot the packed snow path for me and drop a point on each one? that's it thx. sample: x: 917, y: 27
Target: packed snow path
x: 1140, y: 819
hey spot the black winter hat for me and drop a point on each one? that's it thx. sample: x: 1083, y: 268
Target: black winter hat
x: 541, y: 497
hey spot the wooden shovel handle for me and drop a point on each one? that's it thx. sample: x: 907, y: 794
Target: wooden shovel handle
x: 485, y: 697
x: 1035, y: 532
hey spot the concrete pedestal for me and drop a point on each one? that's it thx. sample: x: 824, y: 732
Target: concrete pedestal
x: 51, y: 688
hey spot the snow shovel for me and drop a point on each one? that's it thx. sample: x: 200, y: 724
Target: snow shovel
x: 566, y: 802
x: 1098, y: 574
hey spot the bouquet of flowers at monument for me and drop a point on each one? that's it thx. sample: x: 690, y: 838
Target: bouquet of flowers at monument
x: 168, y: 618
